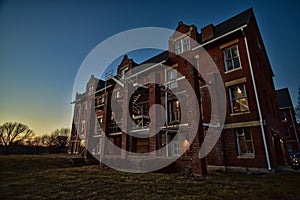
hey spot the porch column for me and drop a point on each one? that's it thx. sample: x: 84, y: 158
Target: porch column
x: 154, y: 113
x: 198, y: 166
x: 105, y: 124
x: 126, y: 126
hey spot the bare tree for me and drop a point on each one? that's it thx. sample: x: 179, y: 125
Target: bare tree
x: 58, y: 138
x: 36, y: 141
x: 12, y: 133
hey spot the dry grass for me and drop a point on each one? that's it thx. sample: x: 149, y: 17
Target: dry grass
x: 50, y: 177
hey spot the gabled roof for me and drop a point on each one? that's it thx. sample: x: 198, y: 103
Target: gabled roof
x: 158, y: 58
x: 284, y: 98
x: 100, y: 85
x: 234, y: 22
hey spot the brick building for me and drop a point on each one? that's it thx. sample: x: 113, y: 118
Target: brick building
x: 252, y: 137
x: 288, y: 119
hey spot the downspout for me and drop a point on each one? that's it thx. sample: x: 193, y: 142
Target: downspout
x: 166, y: 115
x: 295, y: 131
x: 258, y: 104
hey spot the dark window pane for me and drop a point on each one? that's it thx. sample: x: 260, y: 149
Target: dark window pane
x: 227, y: 54
x: 234, y: 52
x: 229, y: 65
x: 236, y: 62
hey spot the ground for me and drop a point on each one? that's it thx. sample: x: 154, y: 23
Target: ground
x: 51, y: 177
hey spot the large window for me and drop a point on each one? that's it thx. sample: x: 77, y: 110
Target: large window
x: 97, y: 148
x: 238, y: 98
x: 174, y: 147
x: 99, y: 125
x: 82, y: 127
x: 244, y: 141
x: 174, y: 112
x: 171, y: 77
x: 231, y: 58
x: 182, y: 45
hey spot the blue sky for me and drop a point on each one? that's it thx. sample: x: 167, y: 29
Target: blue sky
x: 43, y: 43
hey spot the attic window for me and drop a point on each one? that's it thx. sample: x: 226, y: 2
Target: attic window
x: 91, y: 89
x: 123, y: 72
x: 182, y: 45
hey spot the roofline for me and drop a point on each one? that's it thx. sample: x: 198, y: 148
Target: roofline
x: 155, y: 65
x: 221, y: 36
x: 289, y: 98
x: 286, y: 107
x: 285, y: 88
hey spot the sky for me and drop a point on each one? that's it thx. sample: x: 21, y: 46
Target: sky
x: 44, y: 43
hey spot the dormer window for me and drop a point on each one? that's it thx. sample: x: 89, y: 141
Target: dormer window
x: 91, y: 89
x: 123, y: 72
x: 182, y: 45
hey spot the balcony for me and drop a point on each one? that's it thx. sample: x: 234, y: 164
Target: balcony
x: 115, y: 127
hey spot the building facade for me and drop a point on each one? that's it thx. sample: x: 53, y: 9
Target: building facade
x: 252, y: 136
x: 288, y: 119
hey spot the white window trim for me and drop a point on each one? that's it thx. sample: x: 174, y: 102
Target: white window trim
x: 224, y: 58
x: 90, y: 89
x: 181, y: 41
x: 123, y: 72
x: 172, y: 83
x: 231, y: 100
x: 244, y: 155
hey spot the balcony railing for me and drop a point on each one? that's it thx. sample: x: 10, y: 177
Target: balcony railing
x: 115, y: 126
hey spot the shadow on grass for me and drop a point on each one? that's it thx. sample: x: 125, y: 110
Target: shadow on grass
x: 52, y: 177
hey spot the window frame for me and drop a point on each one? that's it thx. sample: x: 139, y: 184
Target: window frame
x: 238, y: 141
x: 90, y: 89
x: 174, y: 82
x: 182, y: 45
x: 123, y: 72
x: 244, y: 97
x: 176, y: 112
x: 231, y: 58
x: 176, y: 151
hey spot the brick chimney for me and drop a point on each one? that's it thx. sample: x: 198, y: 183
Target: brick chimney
x: 207, y: 32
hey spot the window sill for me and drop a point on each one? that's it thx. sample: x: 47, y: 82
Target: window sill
x: 233, y: 70
x: 240, y: 113
x: 246, y: 157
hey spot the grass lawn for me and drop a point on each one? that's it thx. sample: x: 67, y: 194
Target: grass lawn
x: 50, y: 177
